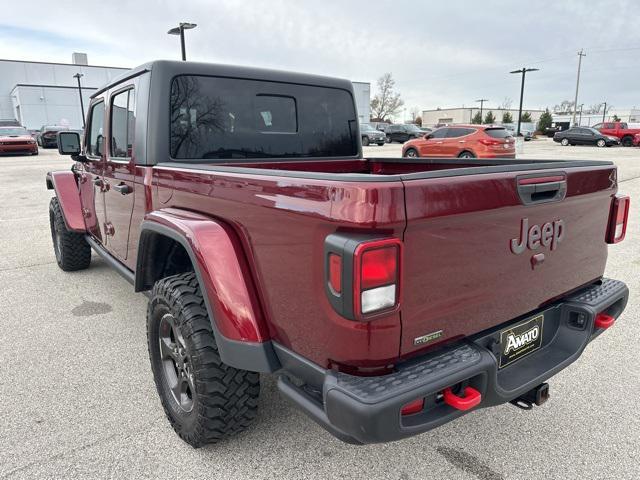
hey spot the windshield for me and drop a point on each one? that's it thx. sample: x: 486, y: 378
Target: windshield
x: 13, y: 131
x: 365, y: 127
x: 413, y: 128
x: 223, y: 118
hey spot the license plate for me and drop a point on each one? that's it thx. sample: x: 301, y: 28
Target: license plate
x: 518, y: 341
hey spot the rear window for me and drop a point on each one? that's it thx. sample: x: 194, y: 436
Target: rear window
x: 222, y: 118
x: 497, y: 132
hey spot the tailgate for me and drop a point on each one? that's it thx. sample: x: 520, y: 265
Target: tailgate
x: 460, y: 273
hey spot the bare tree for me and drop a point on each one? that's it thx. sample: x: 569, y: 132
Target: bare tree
x: 565, y: 106
x: 506, y: 103
x: 387, y: 101
x: 415, y: 113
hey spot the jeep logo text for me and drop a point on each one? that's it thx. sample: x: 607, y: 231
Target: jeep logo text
x: 548, y: 235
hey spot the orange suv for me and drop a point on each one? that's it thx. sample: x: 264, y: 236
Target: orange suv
x: 463, y: 141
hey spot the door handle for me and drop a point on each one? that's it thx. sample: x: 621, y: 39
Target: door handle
x: 439, y: 142
x: 123, y: 188
x: 462, y: 141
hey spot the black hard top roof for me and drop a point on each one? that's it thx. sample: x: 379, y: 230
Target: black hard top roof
x: 171, y: 68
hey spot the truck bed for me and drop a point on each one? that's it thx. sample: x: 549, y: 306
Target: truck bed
x: 456, y: 219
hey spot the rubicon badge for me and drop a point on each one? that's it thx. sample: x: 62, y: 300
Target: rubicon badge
x: 429, y: 337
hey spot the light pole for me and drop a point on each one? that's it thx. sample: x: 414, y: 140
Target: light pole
x: 78, y: 76
x: 575, y: 100
x: 482, y: 100
x: 580, y: 121
x: 604, y: 112
x: 523, y: 71
x: 179, y: 30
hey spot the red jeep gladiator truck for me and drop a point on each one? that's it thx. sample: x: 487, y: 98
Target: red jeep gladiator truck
x: 389, y: 295
x: 620, y: 130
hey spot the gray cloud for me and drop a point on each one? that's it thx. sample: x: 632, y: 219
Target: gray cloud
x: 441, y: 54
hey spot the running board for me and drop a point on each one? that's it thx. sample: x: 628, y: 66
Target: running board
x: 111, y: 260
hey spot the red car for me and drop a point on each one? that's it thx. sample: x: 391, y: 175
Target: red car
x: 620, y: 130
x: 463, y: 141
x: 17, y: 140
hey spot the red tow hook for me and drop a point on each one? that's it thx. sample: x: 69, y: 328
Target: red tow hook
x: 604, y: 321
x: 471, y: 398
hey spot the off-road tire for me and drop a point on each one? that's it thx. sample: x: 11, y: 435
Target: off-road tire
x: 225, y: 400
x: 70, y: 248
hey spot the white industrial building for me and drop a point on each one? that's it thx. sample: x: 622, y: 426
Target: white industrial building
x: 42, y: 93
x: 362, y: 92
x: 629, y: 115
x: 465, y: 114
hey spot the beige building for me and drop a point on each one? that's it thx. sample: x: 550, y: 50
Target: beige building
x: 465, y: 114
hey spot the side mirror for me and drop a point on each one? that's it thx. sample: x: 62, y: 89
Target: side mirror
x: 68, y: 143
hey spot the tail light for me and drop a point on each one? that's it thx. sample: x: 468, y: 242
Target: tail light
x: 490, y: 142
x: 618, y: 219
x: 362, y: 275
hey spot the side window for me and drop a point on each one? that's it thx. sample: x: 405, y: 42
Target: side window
x: 122, y: 124
x: 454, y: 133
x: 95, y: 142
x: 440, y: 133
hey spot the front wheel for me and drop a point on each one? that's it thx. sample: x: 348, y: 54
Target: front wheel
x: 601, y: 143
x: 388, y: 139
x: 564, y: 142
x: 204, y: 399
x: 411, y: 153
x: 466, y: 155
x: 365, y: 141
x: 71, y: 249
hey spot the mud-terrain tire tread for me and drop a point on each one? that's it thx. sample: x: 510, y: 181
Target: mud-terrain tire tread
x: 226, y: 398
x: 76, y: 252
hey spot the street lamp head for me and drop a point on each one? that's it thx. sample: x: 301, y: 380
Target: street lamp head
x: 78, y: 75
x: 182, y: 26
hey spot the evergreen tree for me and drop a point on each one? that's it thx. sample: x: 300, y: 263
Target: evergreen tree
x: 489, y: 118
x: 507, y: 118
x: 545, y: 121
x: 526, y: 117
x: 477, y: 118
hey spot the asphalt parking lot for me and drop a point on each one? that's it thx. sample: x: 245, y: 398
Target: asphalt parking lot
x: 78, y: 399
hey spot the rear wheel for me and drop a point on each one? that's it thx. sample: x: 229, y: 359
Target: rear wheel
x: 601, y: 143
x: 365, y: 141
x: 564, y: 142
x: 71, y: 249
x: 388, y: 139
x: 411, y: 153
x: 627, y: 141
x: 466, y: 154
x: 204, y: 399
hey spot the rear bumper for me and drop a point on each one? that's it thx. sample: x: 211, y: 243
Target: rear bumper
x: 368, y: 409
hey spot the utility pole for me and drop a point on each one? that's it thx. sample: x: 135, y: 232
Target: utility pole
x: 523, y: 71
x: 77, y: 76
x: 575, y: 100
x: 604, y: 112
x: 580, y: 121
x: 482, y: 100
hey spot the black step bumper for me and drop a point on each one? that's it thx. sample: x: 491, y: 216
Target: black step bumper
x: 368, y: 409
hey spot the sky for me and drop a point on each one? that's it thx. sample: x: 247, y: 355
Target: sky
x: 441, y: 54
